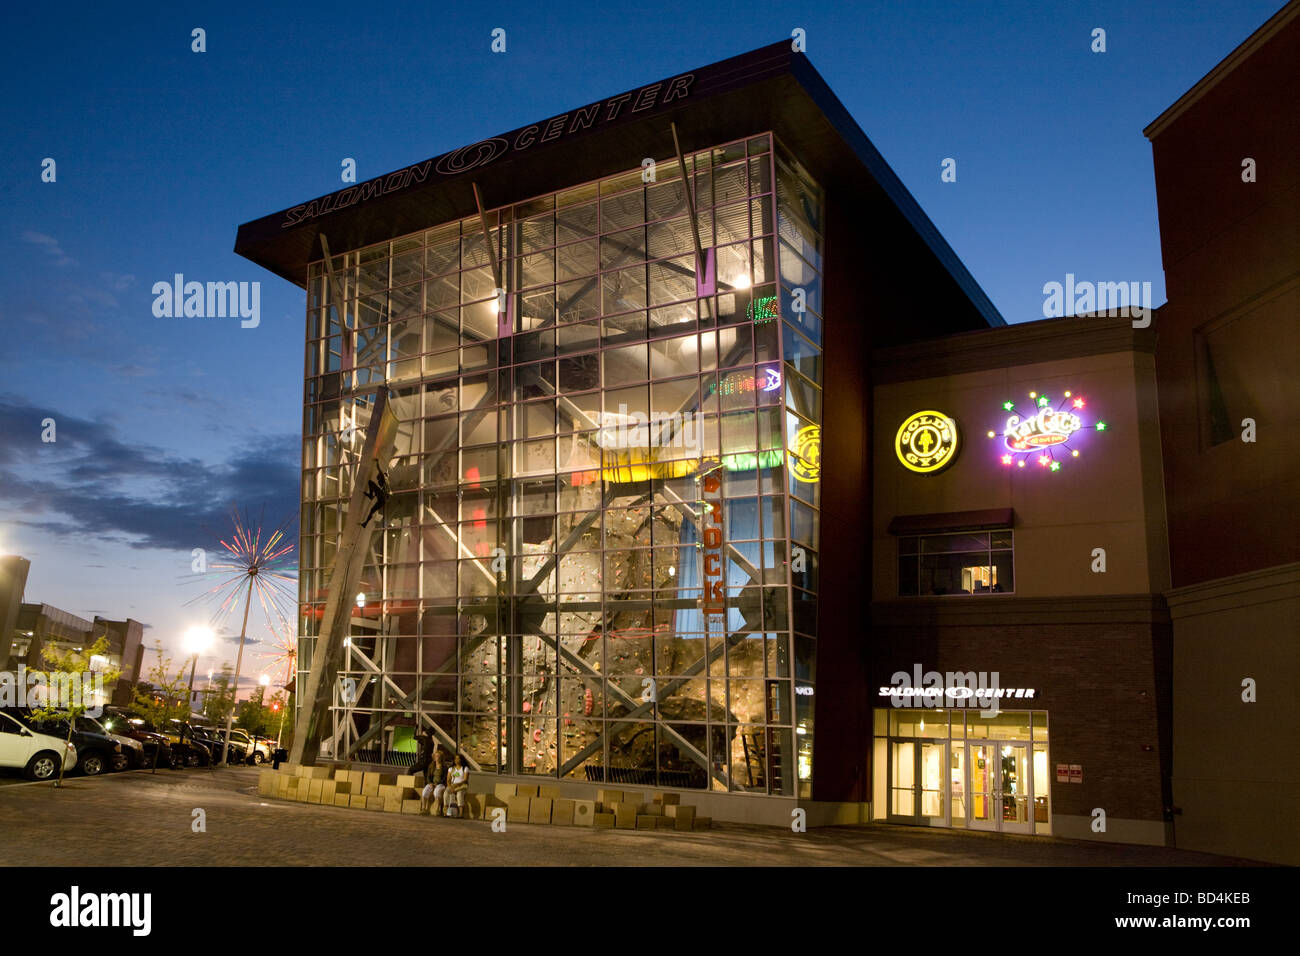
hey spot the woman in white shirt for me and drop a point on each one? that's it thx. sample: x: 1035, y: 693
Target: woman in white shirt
x: 457, y: 786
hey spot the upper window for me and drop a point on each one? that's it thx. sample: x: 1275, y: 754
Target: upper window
x: 979, y: 562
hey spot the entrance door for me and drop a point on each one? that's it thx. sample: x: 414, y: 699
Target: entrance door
x: 930, y: 782
x: 917, y: 791
x: 1001, y: 782
x: 957, y: 785
x: 1014, y: 787
x: 981, y: 769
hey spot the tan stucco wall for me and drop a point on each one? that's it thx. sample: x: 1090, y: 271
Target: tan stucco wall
x: 1236, y: 777
x: 1110, y: 497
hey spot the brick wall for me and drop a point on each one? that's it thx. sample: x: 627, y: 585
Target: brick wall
x: 1100, y: 683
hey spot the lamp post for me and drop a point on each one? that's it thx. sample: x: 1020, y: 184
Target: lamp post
x: 263, y: 683
x: 197, y: 640
x: 239, y: 662
x: 279, y: 734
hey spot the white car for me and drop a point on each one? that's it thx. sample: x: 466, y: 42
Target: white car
x: 36, y: 754
x: 260, y: 751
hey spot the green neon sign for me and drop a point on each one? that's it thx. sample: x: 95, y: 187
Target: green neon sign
x: 763, y: 310
x: 749, y: 461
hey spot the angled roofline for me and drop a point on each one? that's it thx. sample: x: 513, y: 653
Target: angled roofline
x: 770, y: 86
x: 1227, y: 65
x: 871, y: 157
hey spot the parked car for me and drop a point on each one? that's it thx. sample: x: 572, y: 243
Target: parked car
x: 191, y: 750
x: 157, y: 749
x: 259, y: 753
x: 96, y: 752
x: 210, y: 738
x: 238, y: 747
x: 35, y: 753
x: 266, y: 747
x: 132, y: 754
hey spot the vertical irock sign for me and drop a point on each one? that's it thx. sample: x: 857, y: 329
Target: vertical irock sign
x: 714, y: 599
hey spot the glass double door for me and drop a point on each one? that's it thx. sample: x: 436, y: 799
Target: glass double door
x: 916, y: 787
x: 1000, y: 782
x: 984, y: 785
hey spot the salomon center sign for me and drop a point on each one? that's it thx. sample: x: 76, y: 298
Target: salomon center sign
x: 488, y: 151
x: 951, y: 689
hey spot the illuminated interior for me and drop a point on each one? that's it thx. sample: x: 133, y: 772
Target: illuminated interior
x: 537, y: 583
x: 963, y: 768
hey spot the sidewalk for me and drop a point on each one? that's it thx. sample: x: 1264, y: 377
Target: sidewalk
x: 139, y: 819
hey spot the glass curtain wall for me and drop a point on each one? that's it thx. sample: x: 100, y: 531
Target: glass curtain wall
x: 536, y: 596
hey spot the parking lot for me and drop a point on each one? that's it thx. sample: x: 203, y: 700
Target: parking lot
x: 143, y: 819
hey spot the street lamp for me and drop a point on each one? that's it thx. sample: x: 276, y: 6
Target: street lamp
x: 196, y: 640
x: 239, y: 661
x: 282, y: 707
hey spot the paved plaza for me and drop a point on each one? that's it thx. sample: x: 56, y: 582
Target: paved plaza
x: 143, y: 819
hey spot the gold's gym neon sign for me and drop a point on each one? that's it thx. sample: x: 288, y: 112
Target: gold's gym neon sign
x: 927, y: 442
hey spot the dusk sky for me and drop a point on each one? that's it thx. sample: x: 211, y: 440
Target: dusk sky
x: 162, y: 153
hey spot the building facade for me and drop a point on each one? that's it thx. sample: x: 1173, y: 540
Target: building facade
x: 555, y: 493
x: 1228, y: 188
x: 1020, y: 641
x: 602, y: 557
x: 689, y: 492
x: 13, y: 581
x: 42, y: 630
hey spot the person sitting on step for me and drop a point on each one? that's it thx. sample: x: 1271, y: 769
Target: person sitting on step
x: 457, y: 787
x: 435, y: 785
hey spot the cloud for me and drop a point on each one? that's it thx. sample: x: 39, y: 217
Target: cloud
x: 92, y: 298
x: 116, y: 281
x: 176, y: 394
x: 133, y: 371
x: 91, y: 484
x: 50, y: 245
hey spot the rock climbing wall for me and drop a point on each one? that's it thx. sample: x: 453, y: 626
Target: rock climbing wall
x: 629, y: 657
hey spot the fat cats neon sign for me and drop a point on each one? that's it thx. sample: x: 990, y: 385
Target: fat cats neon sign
x: 1043, y: 434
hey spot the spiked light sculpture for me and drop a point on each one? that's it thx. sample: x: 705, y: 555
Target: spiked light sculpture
x: 247, y: 563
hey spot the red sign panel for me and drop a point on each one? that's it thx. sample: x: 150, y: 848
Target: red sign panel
x: 714, y: 600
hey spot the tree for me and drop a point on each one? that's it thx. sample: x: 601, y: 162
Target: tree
x: 253, y: 716
x: 66, y: 690
x: 220, y: 701
x: 164, y: 696
x: 285, y: 719
x: 265, y: 717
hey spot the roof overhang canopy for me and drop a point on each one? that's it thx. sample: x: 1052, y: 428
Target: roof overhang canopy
x: 773, y: 88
